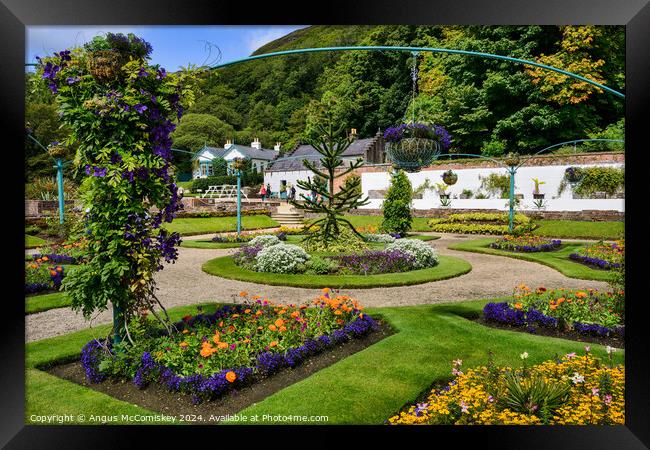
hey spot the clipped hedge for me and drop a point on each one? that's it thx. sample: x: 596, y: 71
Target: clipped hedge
x: 502, y: 218
x: 481, y: 223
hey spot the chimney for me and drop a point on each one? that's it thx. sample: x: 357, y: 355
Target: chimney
x: 353, y: 133
x: 256, y: 144
x: 277, y: 146
x: 228, y: 144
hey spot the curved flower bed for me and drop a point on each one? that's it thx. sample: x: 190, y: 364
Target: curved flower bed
x: 574, y: 390
x: 209, y: 355
x: 601, y: 255
x: 40, y: 277
x: 587, y: 312
x: 526, y: 244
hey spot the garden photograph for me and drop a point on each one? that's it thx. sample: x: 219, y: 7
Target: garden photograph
x: 380, y: 225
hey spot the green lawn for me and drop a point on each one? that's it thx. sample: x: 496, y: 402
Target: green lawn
x: 365, y: 388
x: 578, y: 229
x: 448, y: 267
x: 419, y: 223
x: 294, y: 239
x: 33, y: 241
x: 38, y: 303
x: 205, y: 225
x: 558, y: 259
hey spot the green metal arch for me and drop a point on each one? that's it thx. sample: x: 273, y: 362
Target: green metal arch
x: 418, y: 50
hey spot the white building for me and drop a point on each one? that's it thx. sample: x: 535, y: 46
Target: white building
x: 260, y: 157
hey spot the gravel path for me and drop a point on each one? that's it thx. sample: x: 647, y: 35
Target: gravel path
x: 184, y: 283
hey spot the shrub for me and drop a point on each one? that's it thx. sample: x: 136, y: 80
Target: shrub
x: 381, y: 238
x: 601, y: 179
x: 397, y: 205
x: 266, y: 240
x: 346, y: 241
x: 496, y: 184
x: 320, y: 266
x: 281, y: 258
x: 425, y: 256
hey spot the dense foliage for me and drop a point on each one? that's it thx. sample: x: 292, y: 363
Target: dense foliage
x: 491, y: 107
x: 397, y: 205
x: 120, y: 112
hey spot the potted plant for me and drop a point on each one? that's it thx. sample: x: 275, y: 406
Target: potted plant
x: 441, y: 188
x: 536, y: 194
x: 56, y: 150
x: 411, y: 146
x: 449, y: 177
x: 512, y: 159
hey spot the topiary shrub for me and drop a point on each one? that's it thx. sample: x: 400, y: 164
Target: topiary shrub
x: 266, y: 240
x: 425, y: 256
x: 397, y: 205
x: 281, y: 258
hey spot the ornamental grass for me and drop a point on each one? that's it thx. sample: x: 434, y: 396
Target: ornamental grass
x: 573, y: 390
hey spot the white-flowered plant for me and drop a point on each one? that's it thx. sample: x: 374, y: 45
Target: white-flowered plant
x: 381, y: 238
x: 281, y: 258
x: 265, y: 240
x: 425, y: 256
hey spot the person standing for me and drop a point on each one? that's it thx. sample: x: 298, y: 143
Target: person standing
x: 263, y: 192
x: 268, y: 191
x: 293, y: 193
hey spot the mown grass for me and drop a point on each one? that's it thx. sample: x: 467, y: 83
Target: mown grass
x: 34, y: 241
x: 206, y: 225
x: 365, y: 388
x: 558, y: 259
x: 579, y: 229
x: 39, y: 303
x: 419, y: 223
x: 292, y: 239
x: 448, y: 267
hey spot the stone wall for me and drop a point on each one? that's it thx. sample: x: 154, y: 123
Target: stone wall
x: 588, y: 215
x: 225, y: 208
x: 41, y: 208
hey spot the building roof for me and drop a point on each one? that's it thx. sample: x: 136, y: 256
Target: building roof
x: 251, y: 152
x: 294, y: 160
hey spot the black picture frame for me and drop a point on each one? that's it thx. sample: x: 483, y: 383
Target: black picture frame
x: 15, y: 15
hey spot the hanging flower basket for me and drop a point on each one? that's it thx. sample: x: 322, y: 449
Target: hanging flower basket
x: 105, y: 65
x: 57, y: 150
x: 415, y: 145
x: 238, y: 164
x: 512, y: 159
x: 573, y: 174
x: 449, y: 177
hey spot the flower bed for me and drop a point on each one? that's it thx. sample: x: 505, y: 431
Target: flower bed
x: 208, y: 355
x: 574, y: 390
x: 233, y: 238
x: 589, y: 312
x: 601, y: 255
x: 67, y: 253
x: 40, y: 276
x: 526, y: 243
x: 480, y: 223
x: 268, y: 254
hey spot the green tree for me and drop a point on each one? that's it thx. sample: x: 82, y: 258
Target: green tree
x: 397, y: 205
x: 330, y: 144
x: 219, y: 167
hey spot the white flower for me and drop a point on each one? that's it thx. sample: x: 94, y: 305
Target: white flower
x: 610, y: 350
x: 577, y: 378
x: 524, y: 355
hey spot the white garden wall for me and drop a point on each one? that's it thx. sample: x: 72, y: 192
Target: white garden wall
x: 469, y: 179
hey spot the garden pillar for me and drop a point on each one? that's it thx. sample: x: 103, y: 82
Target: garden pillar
x: 59, y: 180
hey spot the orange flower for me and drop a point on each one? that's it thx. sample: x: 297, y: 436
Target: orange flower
x: 326, y: 290
x: 518, y: 305
x: 243, y: 294
x: 283, y: 329
x: 272, y: 327
x: 247, y: 311
x: 258, y: 313
x: 185, y: 331
x: 45, y: 258
x: 295, y: 314
x: 553, y: 306
x: 207, y: 350
x: 279, y: 323
x: 338, y: 312
x: 222, y: 345
x: 216, y: 338
x: 59, y: 269
x: 53, y: 273
x: 273, y: 343
x: 560, y: 300
x: 221, y: 323
x: 581, y: 294
x: 183, y: 344
x: 339, y: 321
x: 234, y: 316
x: 231, y: 376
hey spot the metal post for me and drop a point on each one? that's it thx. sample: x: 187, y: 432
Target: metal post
x: 511, y: 218
x: 117, y: 324
x: 238, y: 173
x: 59, y: 180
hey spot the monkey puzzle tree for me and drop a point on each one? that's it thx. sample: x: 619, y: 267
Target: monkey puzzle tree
x: 331, y: 143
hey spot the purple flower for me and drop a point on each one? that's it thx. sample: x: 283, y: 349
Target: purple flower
x: 140, y: 108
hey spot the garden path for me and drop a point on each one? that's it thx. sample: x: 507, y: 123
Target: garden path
x: 184, y: 283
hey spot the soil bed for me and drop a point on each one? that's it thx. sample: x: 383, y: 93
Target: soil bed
x: 612, y: 341
x: 157, y: 398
